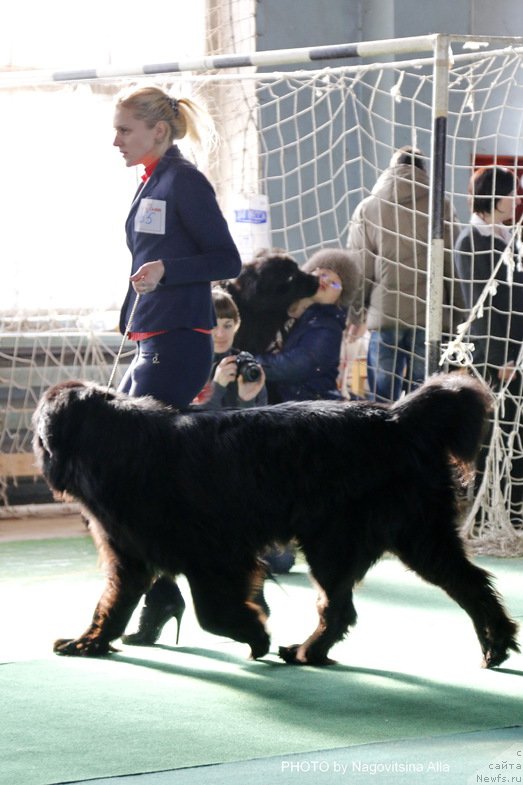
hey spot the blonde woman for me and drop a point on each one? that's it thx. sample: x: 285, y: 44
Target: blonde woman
x: 179, y: 242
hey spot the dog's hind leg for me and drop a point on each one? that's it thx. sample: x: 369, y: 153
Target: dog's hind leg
x: 445, y: 564
x: 224, y: 607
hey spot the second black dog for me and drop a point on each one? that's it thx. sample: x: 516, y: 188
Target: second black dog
x: 263, y: 292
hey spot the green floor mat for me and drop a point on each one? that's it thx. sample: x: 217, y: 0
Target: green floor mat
x: 446, y: 760
x: 409, y: 670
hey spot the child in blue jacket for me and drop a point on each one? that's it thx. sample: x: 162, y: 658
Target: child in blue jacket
x: 306, y: 367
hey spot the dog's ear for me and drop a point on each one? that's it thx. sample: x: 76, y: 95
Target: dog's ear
x: 53, y: 430
x: 49, y: 460
x: 41, y: 440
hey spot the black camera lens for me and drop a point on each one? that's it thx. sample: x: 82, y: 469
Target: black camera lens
x: 251, y: 372
x: 248, y: 368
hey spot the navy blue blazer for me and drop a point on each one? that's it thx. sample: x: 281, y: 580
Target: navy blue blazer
x: 184, y: 227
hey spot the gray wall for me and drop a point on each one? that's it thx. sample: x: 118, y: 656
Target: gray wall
x: 286, y: 24
x: 404, y: 18
x: 504, y: 17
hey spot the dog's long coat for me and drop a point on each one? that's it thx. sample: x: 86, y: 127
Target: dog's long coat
x: 203, y: 493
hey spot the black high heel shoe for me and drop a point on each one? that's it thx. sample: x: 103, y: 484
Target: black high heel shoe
x: 163, y: 602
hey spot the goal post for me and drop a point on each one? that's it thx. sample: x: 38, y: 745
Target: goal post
x: 305, y: 133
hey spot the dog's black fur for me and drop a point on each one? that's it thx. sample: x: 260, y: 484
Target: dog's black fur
x: 263, y: 292
x: 203, y: 493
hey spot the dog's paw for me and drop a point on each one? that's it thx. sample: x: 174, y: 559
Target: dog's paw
x: 82, y: 647
x: 288, y: 653
x: 493, y: 657
x: 294, y: 655
x: 261, y: 647
x: 495, y: 654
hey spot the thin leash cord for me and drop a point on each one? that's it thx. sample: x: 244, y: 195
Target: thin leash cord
x: 120, y: 350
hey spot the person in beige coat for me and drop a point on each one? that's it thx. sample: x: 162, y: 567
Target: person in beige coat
x: 389, y: 240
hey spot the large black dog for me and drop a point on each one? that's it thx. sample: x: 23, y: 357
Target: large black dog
x: 203, y: 493
x: 263, y: 292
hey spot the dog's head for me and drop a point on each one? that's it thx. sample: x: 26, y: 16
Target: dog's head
x: 59, y: 416
x: 76, y: 424
x: 272, y: 282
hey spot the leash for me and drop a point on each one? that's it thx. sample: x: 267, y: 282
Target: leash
x: 120, y: 350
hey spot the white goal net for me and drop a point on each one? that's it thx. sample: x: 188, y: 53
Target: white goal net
x: 300, y: 149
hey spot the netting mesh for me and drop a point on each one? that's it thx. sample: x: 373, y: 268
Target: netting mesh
x: 484, y: 98
x: 30, y: 362
x: 492, y: 525
x: 312, y: 143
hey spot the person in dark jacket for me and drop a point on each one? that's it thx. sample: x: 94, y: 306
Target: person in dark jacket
x: 498, y: 329
x: 227, y: 388
x: 306, y: 367
x: 486, y: 251
x: 179, y: 243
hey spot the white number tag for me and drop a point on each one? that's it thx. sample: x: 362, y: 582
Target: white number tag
x: 150, y: 216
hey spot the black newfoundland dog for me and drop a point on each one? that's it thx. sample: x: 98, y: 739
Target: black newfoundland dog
x: 203, y: 493
x: 263, y: 292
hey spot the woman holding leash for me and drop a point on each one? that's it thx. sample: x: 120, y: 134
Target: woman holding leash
x: 179, y: 243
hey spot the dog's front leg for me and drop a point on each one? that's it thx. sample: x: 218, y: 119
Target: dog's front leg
x: 336, y: 613
x: 299, y: 654
x: 126, y: 582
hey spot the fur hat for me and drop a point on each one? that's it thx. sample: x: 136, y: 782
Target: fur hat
x: 341, y: 263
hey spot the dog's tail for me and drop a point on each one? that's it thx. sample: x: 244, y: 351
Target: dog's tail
x: 449, y: 411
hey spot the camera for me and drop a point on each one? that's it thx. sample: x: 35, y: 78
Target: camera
x: 247, y: 367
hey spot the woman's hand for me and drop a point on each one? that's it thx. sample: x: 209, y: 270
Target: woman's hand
x: 226, y: 371
x: 147, y: 278
x: 247, y: 391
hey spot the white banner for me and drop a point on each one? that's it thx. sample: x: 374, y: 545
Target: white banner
x: 249, y: 223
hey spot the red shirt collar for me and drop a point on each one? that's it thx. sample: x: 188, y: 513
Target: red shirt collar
x: 149, y: 169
